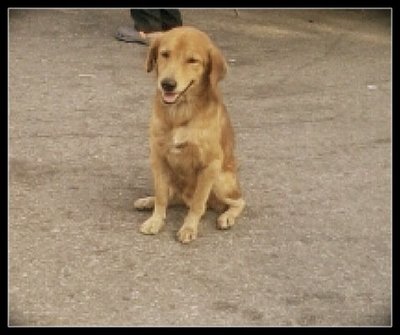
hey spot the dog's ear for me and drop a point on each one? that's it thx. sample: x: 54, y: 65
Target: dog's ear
x: 152, y: 54
x: 218, y: 66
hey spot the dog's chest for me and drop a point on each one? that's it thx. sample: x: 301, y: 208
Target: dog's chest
x: 180, y: 149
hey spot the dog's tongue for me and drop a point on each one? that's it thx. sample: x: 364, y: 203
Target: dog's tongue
x: 170, y: 97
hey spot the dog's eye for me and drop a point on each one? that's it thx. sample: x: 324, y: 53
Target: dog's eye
x: 165, y: 54
x: 192, y: 60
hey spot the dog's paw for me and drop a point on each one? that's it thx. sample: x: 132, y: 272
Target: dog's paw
x: 152, y: 226
x: 144, y: 204
x: 187, y: 234
x: 225, y: 221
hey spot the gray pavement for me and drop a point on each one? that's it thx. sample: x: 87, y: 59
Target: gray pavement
x: 309, y: 94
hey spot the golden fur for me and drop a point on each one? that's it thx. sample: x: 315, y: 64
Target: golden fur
x: 191, y: 137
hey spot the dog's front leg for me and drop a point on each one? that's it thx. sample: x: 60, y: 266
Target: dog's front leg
x: 153, y: 224
x: 198, y: 203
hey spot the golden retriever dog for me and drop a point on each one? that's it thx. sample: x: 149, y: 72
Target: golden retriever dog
x: 191, y: 137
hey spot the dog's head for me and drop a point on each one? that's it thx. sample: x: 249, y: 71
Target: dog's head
x: 186, y: 62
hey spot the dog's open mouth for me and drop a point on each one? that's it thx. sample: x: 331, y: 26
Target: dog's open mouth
x: 172, y: 97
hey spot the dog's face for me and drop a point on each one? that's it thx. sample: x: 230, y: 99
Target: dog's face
x: 187, y: 63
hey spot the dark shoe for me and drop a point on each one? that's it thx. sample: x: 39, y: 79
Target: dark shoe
x: 129, y: 35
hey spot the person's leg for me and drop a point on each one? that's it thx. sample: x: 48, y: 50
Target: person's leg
x: 147, y: 20
x: 170, y: 18
x: 148, y: 23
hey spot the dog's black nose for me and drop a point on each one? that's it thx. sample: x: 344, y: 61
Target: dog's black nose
x: 168, y: 84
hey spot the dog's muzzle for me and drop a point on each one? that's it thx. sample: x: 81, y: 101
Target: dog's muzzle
x: 169, y: 95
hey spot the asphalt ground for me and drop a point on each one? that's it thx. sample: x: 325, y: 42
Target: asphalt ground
x: 309, y: 95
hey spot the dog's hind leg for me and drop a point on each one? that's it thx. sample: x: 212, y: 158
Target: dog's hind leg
x: 227, y: 218
x: 147, y: 203
x: 144, y: 204
x: 227, y: 191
